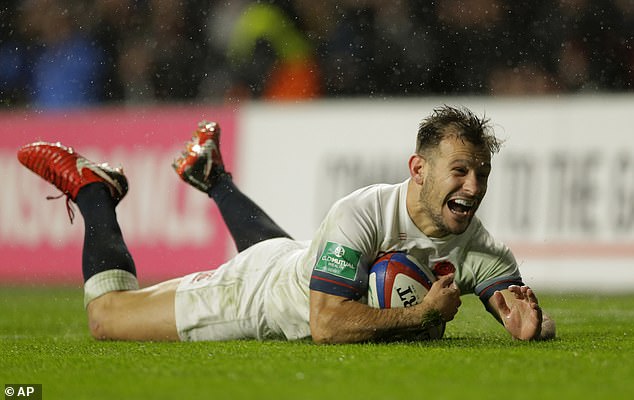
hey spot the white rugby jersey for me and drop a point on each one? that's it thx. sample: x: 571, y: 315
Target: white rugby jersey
x: 374, y: 220
x: 360, y: 227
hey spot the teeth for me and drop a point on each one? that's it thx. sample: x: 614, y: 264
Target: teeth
x: 464, y: 202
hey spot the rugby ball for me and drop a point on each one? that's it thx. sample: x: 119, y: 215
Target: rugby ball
x: 397, y: 280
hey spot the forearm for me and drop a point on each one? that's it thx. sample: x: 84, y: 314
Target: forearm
x: 351, y: 322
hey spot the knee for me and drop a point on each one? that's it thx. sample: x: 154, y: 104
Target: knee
x: 100, y: 317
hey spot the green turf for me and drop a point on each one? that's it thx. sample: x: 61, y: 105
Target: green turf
x: 43, y: 339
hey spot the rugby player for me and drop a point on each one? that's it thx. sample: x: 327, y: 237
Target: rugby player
x: 277, y: 287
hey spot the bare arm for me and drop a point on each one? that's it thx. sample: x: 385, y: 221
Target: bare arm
x: 335, y: 319
x: 518, y: 310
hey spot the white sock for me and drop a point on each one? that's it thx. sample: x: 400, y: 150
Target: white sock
x: 108, y: 281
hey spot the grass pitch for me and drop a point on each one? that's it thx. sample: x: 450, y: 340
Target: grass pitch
x: 44, y: 339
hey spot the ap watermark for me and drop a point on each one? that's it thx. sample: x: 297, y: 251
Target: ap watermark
x: 22, y: 391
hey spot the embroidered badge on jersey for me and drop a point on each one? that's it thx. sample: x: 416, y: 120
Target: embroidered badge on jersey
x: 444, y: 265
x: 339, y: 261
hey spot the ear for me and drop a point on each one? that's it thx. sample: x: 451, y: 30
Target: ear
x: 417, y: 168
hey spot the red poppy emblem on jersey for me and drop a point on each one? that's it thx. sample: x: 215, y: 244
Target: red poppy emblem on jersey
x: 442, y: 268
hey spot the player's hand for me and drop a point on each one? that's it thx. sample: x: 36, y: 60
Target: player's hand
x: 520, y: 313
x: 444, y: 296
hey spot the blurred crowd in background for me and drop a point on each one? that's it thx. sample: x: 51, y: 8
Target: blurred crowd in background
x: 75, y: 53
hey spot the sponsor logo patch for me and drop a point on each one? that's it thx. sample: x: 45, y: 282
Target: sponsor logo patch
x: 339, y: 261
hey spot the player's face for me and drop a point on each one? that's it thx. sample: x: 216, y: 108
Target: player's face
x: 455, y: 182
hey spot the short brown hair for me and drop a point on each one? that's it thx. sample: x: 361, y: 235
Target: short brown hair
x: 462, y: 123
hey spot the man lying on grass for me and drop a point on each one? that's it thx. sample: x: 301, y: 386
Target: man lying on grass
x: 277, y: 287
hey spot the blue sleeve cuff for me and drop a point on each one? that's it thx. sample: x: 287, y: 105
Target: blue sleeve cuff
x: 486, y: 289
x: 329, y: 284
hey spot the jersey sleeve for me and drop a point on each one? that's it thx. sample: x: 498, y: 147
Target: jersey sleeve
x: 496, y: 272
x: 345, y: 245
x: 487, y: 288
x: 492, y: 265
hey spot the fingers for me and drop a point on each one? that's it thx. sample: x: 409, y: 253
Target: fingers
x: 531, y: 295
x: 449, y: 312
x: 446, y: 281
x: 516, y: 290
x: 444, y: 296
x: 500, y: 303
x: 523, y: 293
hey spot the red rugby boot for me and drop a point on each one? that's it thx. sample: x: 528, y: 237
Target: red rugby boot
x: 69, y: 171
x: 201, y: 162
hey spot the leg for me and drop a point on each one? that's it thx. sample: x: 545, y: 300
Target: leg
x: 202, y: 167
x: 145, y: 314
x: 114, y: 311
x: 247, y: 222
x: 104, y: 248
x: 116, y: 308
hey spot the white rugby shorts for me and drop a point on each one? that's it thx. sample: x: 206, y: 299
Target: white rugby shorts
x: 256, y: 295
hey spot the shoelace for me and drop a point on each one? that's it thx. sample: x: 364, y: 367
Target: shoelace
x: 69, y: 205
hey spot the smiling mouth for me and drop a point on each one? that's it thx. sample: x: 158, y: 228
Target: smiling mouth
x: 462, y: 206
